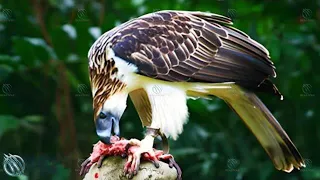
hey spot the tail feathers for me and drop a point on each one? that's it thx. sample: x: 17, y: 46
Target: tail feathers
x: 265, y: 127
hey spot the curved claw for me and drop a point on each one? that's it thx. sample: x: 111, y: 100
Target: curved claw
x: 135, y: 154
x: 155, y: 163
x: 151, y: 157
x: 101, y: 158
x: 84, y: 167
x: 167, y: 158
x: 127, y: 165
x: 135, y: 163
x: 174, y: 164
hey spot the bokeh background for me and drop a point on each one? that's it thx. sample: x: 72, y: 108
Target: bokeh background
x: 45, y: 97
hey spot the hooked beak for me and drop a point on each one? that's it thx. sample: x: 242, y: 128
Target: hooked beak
x: 106, y: 126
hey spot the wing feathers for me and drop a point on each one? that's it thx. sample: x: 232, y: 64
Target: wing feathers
x: 193, y: 46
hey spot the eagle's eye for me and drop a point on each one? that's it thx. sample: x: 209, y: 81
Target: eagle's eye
x: 102, y: 115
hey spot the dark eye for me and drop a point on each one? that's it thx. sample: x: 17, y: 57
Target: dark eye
x: 102, y: 115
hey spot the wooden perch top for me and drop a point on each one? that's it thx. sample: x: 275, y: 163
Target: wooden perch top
x: 112, y: 169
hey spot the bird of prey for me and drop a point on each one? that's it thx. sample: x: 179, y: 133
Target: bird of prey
x: 161, y: 59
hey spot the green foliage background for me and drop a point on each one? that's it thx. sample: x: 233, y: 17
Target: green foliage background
x: 46, y: 106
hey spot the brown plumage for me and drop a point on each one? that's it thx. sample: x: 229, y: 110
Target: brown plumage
x: 191, y: 46
x: 195, y: 47
x: 103, y: 85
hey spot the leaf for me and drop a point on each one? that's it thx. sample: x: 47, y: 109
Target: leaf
x: 62, y: 173
x: 63, y: 5
x: 311, y: 173
x: 137, y: 3
x: 185, y: 151
x: 8, y: 122
x: 95, y: 32
x: 8, y: 59
x: 24, y: 50
x: 70, y: 30
x: 22, y: 177
x: 61, y: 43
x: 206, y: 167
x: 5, y: 70
x: 33, y: 51
x: 33, y: 118
x: 84, y: 40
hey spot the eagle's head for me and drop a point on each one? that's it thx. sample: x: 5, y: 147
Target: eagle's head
x: 109, y: 95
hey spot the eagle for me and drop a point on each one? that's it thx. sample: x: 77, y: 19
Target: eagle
x: 162, y: 59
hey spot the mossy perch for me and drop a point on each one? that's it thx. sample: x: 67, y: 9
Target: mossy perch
x: 112, y: 169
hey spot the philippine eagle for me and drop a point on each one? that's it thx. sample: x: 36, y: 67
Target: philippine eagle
x: 163, y: 58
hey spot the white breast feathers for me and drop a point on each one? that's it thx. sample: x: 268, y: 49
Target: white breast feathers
x: 169, y: 108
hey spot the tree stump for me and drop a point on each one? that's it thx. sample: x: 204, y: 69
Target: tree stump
x: 112, y: 169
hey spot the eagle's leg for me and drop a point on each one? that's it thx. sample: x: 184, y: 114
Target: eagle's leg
x: 138, y: 150
x: 144, y: 150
